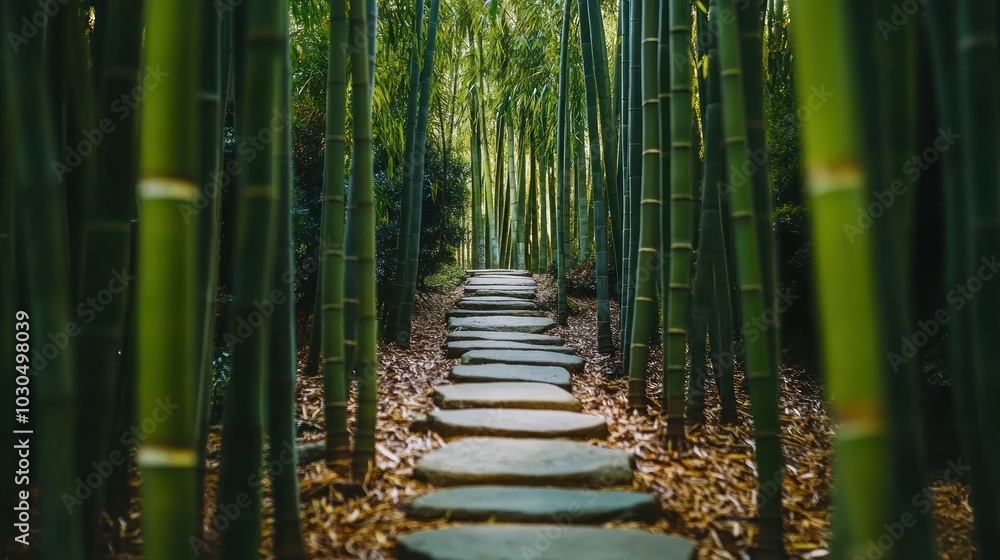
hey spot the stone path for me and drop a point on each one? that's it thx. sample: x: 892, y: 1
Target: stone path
x: 511, y: 461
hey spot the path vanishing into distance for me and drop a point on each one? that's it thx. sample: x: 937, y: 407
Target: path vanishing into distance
x: 516, y: 467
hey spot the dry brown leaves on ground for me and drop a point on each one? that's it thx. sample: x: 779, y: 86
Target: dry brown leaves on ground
x: 707, y: 490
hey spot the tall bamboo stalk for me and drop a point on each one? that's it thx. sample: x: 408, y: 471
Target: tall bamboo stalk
x: 167, y: 324
x: 978, y: 58
x: 761, y: 364
x: 943, y: 35
x: 253, y: 264
x: 561, y: 169
x: 406, y: 197
x: 109, y: 206
x: 44, y: 239
x: 282, y: 456
x: 361, y: 229
x: 590, y: 60
x: 478, y: 231
x: 335, y: 375
x: 649, y: 220
x: 622, y: 263
x: 417, y: 187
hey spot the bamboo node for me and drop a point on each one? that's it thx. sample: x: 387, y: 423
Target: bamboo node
x: 167, y: 457
x: 167, y: 188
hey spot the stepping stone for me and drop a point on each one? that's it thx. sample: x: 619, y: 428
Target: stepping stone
x: 500, y: 281
x: 494, y: 313
x: 495, y: 303
x: 525, y: 462
x: 537, y: 357
x: 541, y: 542
x: 505, y: 395
x: 459, y: 347
x: 528, y: 338
x: 520, y: 294
x: 498, y: 272
x: 535, y: 325
x: 531, y: 504
x: 498, y: 373
x: 505, y: 422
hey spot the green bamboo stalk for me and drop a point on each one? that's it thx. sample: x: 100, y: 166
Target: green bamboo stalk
x: 487, y: 175
x: 8, y: 263
x: 522, y: 252
x: 943, y: 32
x: 720, y: 321
x: 406, y: 197
x: 682, y: 216
x: 888, y: 71
x: 590, y: 60
x: 167, y: 340
x: 253, y: 265
x: 109, y: 205
x: 43, y: 235
x: 649, y: 220
x: 417, y: 188
x: 533, y: 245
x: 545, y: 258
x: 335, y: 375
x: 761, y: 364
x: 361, y: 228
x: 634, y: 187
x: 977, y: 79
x: 664, y: 108
x: 582, y: 200
x: 288, y: 543
x: 561, y: 170
x: 624, y: 41
x: 478, y: 232
x: 606, y: 111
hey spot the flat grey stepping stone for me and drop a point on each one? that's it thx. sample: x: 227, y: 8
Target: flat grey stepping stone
x: 520, y: 294
x: 506, y: 422
x: 525, y: 462
x: 498, y: 373
x: 496, y: 289
x: 504, y: 395
x: 537, y: 357
x: 519, y: 504
x: 498, y: 272
x: 541, y: 542
x: 537, y: 339
x: 459, y: 347
x: 494, y: 313
x: 502, y: 323
x: 496, y: 303
x: 501, y: 281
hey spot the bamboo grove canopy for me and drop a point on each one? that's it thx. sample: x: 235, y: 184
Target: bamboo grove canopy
x: 153, y: 156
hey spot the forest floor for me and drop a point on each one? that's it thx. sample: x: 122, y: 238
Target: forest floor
x: 706, y: 489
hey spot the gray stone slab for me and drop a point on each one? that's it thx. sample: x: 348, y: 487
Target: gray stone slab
x: 497, y: 271
x: 496, y: 303
x: 525, y: 462
x: 505, y: 395
x: 500, y: 281
x: 520, y: 294
x: 542, y: 542
x: 498, y: 373
x: 494, y: 313
x: 537, y: 357
x: 506, y: 422
x: 459, y: 347
x: 535, y: 325
x: 538, y: 339
x: 518, y: 504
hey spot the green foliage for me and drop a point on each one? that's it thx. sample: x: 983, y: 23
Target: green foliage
x: 445, y: 199
x: 445, y: 279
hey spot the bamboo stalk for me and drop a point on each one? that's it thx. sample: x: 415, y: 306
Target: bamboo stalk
x: 561, y: 168
x: 761, y: 366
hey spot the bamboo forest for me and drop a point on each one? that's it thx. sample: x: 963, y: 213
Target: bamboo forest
x: 500, y: 279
